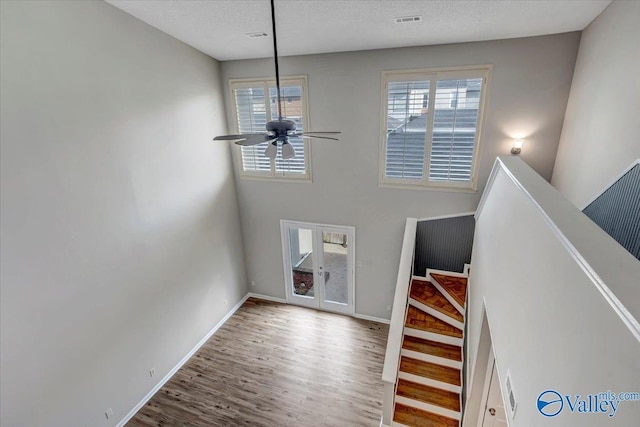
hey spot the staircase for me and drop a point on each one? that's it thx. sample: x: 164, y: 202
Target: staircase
x: 429, y: 385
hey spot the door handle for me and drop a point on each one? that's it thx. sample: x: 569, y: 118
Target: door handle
x: 492, y: 411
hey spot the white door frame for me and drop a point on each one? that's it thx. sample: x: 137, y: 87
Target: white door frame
x: 317, y: 301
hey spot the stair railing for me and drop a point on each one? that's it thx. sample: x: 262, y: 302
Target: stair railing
x: 396, y: 326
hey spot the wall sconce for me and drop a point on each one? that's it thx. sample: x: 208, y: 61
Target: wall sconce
x: 517, y: 146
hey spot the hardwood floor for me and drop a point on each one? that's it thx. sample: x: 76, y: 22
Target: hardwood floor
x: 437, y: 349
x: 427, y: 294
x: 418, y: 319
x: 277, y: 365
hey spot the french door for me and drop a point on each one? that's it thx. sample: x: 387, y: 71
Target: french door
x: 318, y: 265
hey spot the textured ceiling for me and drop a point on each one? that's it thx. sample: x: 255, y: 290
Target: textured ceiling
x: 219, y: 27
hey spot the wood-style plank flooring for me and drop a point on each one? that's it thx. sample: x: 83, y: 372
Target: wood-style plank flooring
x: 277, y: 365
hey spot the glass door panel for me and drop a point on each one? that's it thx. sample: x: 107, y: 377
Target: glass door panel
x: 302, y: 271
x: 334, y: 260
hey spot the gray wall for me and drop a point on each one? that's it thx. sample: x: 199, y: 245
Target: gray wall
x: 527, y: 97
x: 617, y: 211
x: 600, y: 136
x: 120, y: 231
x: 444, y: 244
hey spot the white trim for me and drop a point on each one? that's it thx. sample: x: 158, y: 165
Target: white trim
x: 434, y: 218
x: 266, y: 298
x: 628, y: 319
x: 616, y: 179
x: 371, y: 318
x: 182, y: 361
x: 431, y: 358
x: 438, y: 410
x: 403, y: 281
x: 402, y: 375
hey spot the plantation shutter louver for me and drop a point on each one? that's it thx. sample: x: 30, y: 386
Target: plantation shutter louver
x: 454, y: 129
x: 291, y: 101
x: 406, y: 129
x: 251, y: 114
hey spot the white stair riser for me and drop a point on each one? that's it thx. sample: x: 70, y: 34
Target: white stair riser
x: 447, y: 295
x: 395, y: 424
x: 428, y: 407
x: 430, y: 358
x: 430, y: 382
x: 437, y: 314
x: 445, y: 339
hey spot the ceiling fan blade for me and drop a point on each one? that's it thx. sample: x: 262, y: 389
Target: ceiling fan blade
x: 236, y: 137
x: 315, y: 136
x: 320, y: 133
x: 256, y: 139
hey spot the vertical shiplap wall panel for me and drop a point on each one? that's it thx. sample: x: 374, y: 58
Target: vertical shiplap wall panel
x: 444, y: 244
x: 617, y: 211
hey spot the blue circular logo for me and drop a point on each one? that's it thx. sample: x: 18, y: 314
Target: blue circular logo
x: 550, y: 403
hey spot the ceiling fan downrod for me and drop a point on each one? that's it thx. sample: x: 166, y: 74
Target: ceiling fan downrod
x: 275, y: 57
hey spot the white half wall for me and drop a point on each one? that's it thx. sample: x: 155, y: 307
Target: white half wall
x: 601, y: 132
x: 527, y: 97
x: 120, y: 233
x: 534, y: 264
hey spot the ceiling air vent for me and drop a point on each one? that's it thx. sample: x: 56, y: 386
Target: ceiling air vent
x: 256, y: 35
x: 407, y: 19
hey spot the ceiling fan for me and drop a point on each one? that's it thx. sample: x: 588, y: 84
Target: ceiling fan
x: 276, y: 130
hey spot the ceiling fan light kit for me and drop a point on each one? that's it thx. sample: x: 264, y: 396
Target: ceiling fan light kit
x: 277, y: 130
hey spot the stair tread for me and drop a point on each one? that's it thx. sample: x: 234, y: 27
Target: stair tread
x: 426, y: 293
x: 427, y: 394
x: 455, y: 286
x: 446, y: 351
x: 418, y: 319
x: 414, y: 417
x: 430, y: 370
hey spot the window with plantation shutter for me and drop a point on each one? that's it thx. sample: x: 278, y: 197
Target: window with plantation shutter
x: 431, y: 126
x: 254, y: 104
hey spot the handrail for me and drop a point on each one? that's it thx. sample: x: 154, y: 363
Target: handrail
x: 396, y: 326
x: 591, y: 248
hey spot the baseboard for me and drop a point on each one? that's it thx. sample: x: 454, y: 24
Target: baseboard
x: 371, y: 318
x: 184, y: 360
x: 266, y: 298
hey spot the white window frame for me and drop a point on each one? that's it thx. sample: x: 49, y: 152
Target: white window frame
x: 433, y: 74
x: 267, y: 82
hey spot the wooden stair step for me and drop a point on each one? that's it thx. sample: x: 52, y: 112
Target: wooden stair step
x: 446, y: 351
x: 430, y: 370
x: 455, y: 286
x: 418, y: 319
x: 429, y: 295
x: 414, y: 417
x: 424, y: 393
